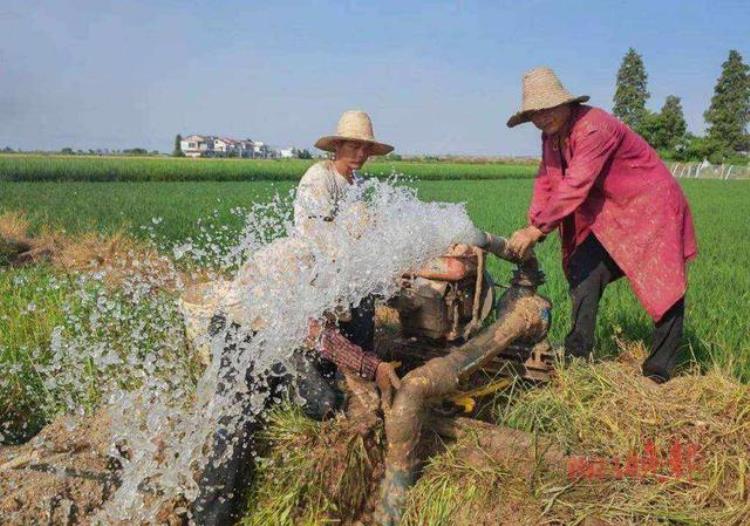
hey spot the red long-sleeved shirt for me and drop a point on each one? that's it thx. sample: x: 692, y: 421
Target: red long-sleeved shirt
x: 607, y: 180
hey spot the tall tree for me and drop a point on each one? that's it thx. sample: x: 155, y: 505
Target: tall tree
x: 631, y: 93
x: 177, y: 152
x: 729, y: 113
x: 672, y: 127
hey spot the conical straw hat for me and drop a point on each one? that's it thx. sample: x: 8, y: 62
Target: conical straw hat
x: 541, y: 90
x: 354, y: 125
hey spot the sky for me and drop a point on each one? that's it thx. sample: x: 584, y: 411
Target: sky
x: 437, y: 77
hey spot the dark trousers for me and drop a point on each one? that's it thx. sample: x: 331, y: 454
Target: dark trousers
x: 312, y: 382
x: 590, y: 270
x: 224, y: 481
x: 360, y: 330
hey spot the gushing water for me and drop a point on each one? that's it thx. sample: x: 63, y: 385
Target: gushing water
x: 162, y: 416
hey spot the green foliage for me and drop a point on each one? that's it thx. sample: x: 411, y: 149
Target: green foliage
x: 650, y: 128
x: 177, y: 152
x: 39, y: 301
x: 85, y: 168
x: 672, y: 127
x: 693, y: 148
x: 135, y: 151
x: 631, y: 93
x: 304, y: 154
x: 729, y: 113
x: 22, y: 330
x: 664, y: 130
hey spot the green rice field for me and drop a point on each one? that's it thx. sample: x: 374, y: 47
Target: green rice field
x: 718, y: 303
x: 22, y: 167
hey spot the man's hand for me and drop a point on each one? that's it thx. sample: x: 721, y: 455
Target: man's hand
x: 387, y: 380
x: 314, y: 330
x: 522, y: 241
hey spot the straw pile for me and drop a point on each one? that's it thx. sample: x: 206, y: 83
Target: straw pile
x: 637, y: 453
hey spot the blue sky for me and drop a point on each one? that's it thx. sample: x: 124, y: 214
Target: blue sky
x: 437, y: 76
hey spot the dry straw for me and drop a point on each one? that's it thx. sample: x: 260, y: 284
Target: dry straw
x: 603, y: 410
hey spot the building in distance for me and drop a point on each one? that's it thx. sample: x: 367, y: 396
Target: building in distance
x: 215, y: 146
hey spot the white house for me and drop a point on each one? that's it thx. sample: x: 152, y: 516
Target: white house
x: 226, y: 146
x: 261, y: 150
x: 287, y: 153
x: 215, y: 146
x: 197, y: 145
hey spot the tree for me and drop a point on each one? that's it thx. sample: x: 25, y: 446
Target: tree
x: 135, y: 151
x: 650, y: 128
x: 693, y: 148
x: 672, y: 123
x: 304, y: 154
x: 729, y: 113
x: 631, y: 94
x: 666, y: 129
x: 177, y: 152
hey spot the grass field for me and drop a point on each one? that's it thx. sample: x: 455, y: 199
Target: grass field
x: 593, y: 409
x: 718, y: 304
x: 88, y: 168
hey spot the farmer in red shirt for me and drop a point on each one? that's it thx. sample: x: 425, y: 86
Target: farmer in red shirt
x: 619, y: 212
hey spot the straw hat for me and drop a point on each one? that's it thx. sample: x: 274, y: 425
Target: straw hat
x: 354, y: 125
x: 541, y: 90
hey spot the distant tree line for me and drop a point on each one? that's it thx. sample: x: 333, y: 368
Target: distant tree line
x: 127, y: 151
x: 728, y: 115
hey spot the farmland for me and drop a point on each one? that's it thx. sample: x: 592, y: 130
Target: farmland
x: 599, y: 407
x: 90, y: 168
x: 718, y: 298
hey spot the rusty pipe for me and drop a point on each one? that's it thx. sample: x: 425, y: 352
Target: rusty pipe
x: 524, y: 316
x: 496, y: 245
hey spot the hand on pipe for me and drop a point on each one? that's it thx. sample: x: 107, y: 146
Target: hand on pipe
x: 522, y: 241
x: 387, y: 381
x: 496, y: 245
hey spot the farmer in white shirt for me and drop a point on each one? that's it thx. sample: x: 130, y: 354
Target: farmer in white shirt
x: 319, y: 194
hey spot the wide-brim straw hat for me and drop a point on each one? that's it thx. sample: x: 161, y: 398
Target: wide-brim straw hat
x: 354, y: 125
x: 542, y: 90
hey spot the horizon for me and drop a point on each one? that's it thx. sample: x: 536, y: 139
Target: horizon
x: 438, y: 79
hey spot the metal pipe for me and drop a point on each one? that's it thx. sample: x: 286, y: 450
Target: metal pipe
x: 524, y: 316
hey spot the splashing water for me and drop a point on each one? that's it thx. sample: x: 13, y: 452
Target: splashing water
x: 282, y: 280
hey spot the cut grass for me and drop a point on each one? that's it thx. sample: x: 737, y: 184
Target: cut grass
x: 315, y: 472
x: 602, y: 411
